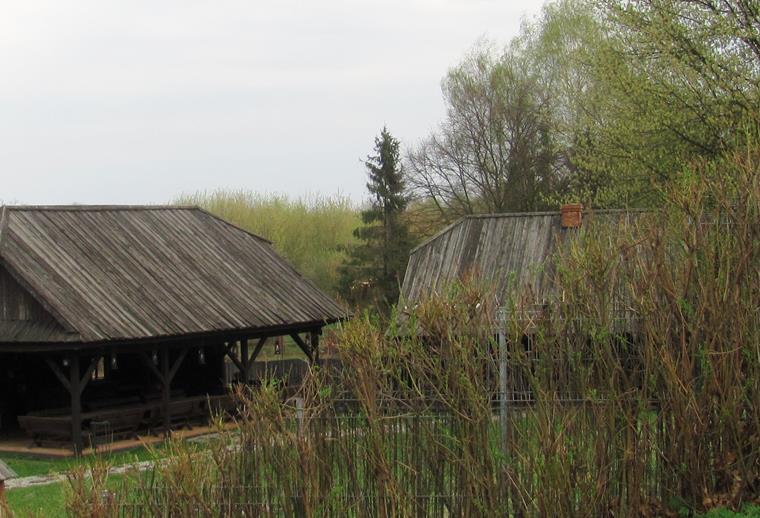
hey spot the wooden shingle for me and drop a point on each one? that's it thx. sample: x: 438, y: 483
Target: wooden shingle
x: 497, y: 248
x: 107, y: 273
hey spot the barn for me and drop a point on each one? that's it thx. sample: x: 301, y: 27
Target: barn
x: 118, y: 319
x: 504, y: 250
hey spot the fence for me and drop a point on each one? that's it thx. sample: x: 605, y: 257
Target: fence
x: 404, y: 458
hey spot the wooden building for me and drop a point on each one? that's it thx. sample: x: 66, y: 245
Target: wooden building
x: 504, y: 252
x: 116, y: 318
x: 512, y: 249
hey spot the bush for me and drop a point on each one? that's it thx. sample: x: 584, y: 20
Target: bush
x: 640, y: 377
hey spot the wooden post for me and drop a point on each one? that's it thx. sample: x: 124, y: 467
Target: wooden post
x: 307, y: 350
x: 75, y: 390
x: 165, y: 388
x: 299, y: 506
x: 244, y: 359
x: 315, y: 346
x: 75, y: 384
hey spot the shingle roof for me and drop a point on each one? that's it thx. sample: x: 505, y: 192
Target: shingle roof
x: 122, y: 272
x: 499, y: 248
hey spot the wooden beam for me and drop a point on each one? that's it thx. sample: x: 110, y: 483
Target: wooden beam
x: 228, y: 352
x: 315, y: 346
x: 149, y: 362
x: 305, y: 348
x: 58, y: 373
x: 76, y: 403
x: 257, y: 349
x: 177, y: 364
x: 88, y: 374
x: 244, y: 359
x: 165, y: 388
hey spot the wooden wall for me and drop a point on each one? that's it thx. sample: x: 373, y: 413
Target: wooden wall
x: 17, y: 304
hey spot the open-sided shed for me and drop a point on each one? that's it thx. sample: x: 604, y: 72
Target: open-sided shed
x: 112, y: 302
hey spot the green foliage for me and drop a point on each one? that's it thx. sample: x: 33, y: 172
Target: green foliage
x: 748, y: 511
x: 620, y: 95
x: 671, y: 82
x: 312, y: 233
x: 375, y: 268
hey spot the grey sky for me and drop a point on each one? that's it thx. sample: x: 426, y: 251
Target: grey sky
x: 138, y: 101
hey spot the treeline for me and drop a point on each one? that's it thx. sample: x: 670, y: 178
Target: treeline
x: 602, y: 102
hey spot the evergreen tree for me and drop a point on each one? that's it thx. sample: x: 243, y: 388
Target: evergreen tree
x: 375, y: 267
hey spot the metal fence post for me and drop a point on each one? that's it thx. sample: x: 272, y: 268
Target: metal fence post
x: 503, y: 385
x: 299, y: 416
x: 298, y: 501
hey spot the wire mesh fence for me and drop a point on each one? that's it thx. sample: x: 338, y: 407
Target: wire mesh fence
x: 413, y: 459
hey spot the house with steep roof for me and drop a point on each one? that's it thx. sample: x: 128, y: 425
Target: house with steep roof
x: 510, y: 250
x: 505, y: 252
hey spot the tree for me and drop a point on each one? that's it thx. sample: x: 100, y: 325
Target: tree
x: 495, y: 152
x: 678, y: 82
x: 375, y: 267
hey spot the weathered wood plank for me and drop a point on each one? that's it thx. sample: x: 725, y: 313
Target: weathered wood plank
x: 118, y: 273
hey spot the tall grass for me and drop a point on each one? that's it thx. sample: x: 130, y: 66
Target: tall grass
x: 311, y: 232
x: 640, y: 380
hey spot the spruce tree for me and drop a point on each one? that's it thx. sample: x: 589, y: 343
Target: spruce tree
x: 375, y: 267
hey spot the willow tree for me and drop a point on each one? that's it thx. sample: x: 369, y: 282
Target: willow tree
x: 495, y: 151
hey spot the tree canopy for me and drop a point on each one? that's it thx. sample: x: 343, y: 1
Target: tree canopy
x: 597, y: 101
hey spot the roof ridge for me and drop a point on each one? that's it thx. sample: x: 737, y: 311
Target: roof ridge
x: 589, y: 210
x: 76, y: 207
x: 494, y: 215
x: 233, y: 225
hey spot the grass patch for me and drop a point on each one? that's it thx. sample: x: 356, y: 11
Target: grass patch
x: 748, y: 511
x: 26, y: 466
x: 48, y: 501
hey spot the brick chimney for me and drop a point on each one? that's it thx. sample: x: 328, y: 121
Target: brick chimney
x: 571, y: 214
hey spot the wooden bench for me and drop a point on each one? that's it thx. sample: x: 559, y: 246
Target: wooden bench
x: 121, y: 422
x: 182, y: 412
x: 53, y: 427
x: 47, y: 430
x: 113, y: 402
x: 115, y: 423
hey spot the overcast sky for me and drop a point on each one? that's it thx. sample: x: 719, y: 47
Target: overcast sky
x: 139, y: 101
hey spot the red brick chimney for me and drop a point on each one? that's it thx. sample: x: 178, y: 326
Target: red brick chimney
x: 571, y: 215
